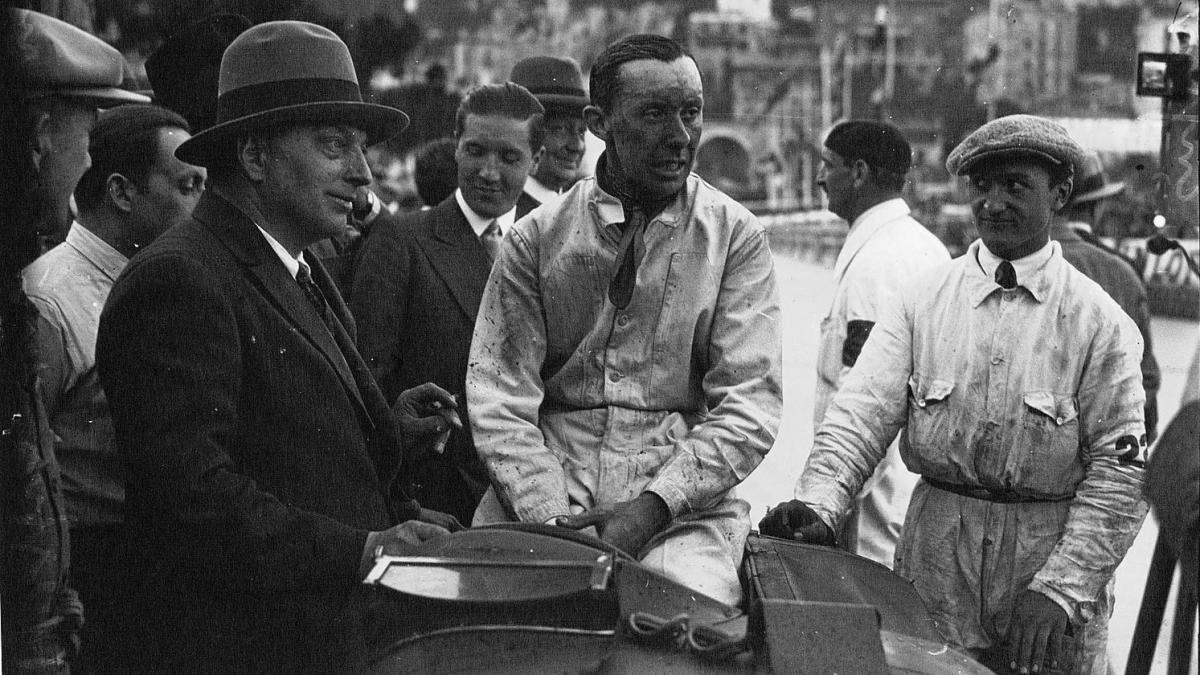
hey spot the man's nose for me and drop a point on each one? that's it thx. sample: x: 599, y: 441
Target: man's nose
x: 575, y: 141
x: 358, y: 172
x: 489, y: 169
x: 679, y: 134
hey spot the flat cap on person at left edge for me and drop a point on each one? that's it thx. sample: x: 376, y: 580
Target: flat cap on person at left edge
x: 1026, y: 135
x: 55, y: 57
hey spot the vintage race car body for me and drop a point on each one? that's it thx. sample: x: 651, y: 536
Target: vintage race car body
x: 538, y: 599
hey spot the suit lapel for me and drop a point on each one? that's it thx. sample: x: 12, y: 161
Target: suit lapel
x: 267, y: 272
x: 456, y: 255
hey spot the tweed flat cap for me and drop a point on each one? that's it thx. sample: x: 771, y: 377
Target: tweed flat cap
x: 55, y: 57
x: 1016, y: 135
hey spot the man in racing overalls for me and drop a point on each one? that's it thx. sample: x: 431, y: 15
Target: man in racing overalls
x: 1016, y: 379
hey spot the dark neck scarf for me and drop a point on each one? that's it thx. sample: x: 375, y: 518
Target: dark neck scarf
x: 638, y: 212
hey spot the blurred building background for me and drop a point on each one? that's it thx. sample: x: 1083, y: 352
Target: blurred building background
x: 777, y: 73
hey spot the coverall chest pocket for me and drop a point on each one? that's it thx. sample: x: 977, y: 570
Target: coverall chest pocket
x: 1046, y: 456
x: 931, y: 413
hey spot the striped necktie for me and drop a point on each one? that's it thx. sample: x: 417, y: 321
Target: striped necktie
x: 491, y: 238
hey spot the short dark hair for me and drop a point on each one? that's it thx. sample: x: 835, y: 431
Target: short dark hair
x: 604, y: 82
x: 508, y: 99
x: 435, y: 171
x: 125, y: 141
x: 881, y: 145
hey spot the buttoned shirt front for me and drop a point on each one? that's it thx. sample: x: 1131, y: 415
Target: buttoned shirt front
x: 1032, y: 391
x: 677, y: 394
x: 69, y: 286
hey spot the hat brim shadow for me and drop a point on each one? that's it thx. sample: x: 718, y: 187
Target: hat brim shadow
x: 213, y: 146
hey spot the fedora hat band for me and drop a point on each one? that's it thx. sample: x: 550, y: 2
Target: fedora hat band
x: 558, y: 90
x: 265, y: 96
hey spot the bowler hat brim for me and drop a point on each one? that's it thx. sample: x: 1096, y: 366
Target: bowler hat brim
x: 563, y: 101
x: 214, y: 146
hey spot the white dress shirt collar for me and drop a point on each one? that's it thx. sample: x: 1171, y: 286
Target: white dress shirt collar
x: 292, y: 264
x: 480, y: 223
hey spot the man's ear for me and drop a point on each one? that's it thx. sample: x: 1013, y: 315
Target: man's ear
x: 596, y: 121
x: 252, y: 151
x: 860, y: 172
x: 120, y: 192
x: 1062, y: 193
x: 537, y: 159
x: 43, y: 139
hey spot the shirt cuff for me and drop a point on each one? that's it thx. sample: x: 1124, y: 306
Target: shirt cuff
x: 676, y: 501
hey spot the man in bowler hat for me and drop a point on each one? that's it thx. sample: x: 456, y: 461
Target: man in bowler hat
x: 262, y: 459
x: 1015, y: 379
x: 557, y: 83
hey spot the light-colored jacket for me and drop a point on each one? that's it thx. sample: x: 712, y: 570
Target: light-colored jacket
x: 885, y: 251
x: 678, y: 394
x: 1029, y: 391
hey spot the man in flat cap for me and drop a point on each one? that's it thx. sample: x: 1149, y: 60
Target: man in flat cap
x: 55, y: 76
x: 261, y: 457
x: 863, y: 169
x: 134, y: 190
x: 557, y: 83
x: 1015, y: 380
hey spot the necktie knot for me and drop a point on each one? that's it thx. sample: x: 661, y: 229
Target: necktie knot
x: 311, y: 290
x: 1006, y: 275
x: 491, y: 238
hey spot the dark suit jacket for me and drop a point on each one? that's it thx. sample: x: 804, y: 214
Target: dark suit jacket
x: 416, y: 292
x: 258, y: 456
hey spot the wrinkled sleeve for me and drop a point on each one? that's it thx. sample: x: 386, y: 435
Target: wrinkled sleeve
x: 55, y: 364
x: 866, y: 413
x: 743, y: 386
x: 1108, y: 508
x: 170, y: 360
x: 505, y: 388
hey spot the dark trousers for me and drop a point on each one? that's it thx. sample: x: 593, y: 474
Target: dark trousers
x: 95, y: 574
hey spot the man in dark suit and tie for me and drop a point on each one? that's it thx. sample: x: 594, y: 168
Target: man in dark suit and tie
x: 262, y: 459
x: 418, y: 283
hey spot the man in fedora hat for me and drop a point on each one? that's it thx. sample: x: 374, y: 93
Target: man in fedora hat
x: 262, y: 459
x: 625, y: 370
x: 557, y: 83
x: 1015, y: 380
x: 419, y: 279
x: 54, y: 77
x: 1115, y: 273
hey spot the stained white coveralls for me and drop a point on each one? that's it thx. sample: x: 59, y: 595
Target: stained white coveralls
x: 575, y: 402
x: 1032, y: 400
x: 885, y: 250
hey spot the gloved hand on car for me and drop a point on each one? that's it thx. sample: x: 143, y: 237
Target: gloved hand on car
x: 797, y: 521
